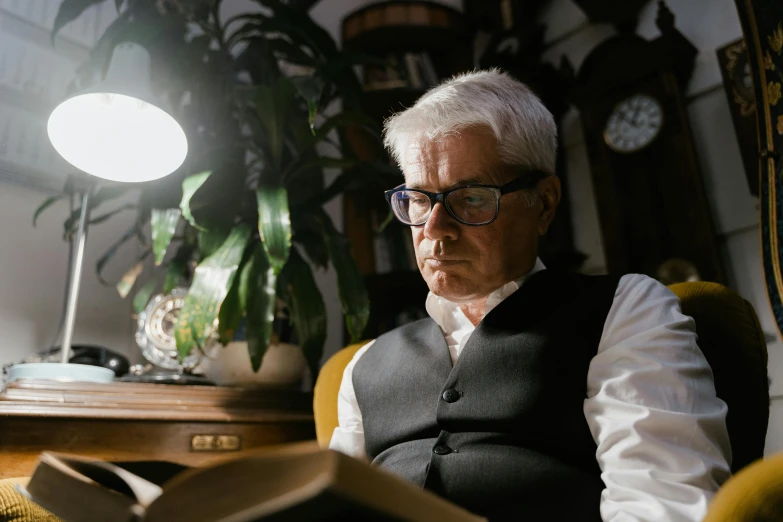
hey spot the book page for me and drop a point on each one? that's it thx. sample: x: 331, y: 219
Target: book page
x: 244, y: 489
x: 79, y: 492
x: 106, y: 474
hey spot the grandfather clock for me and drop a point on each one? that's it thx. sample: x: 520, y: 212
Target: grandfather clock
x: 653, y: 211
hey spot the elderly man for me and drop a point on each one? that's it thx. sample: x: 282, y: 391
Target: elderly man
x: 528, y: 394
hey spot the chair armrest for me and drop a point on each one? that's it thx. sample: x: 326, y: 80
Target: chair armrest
x: 15, y: 507
x: 755, y: 494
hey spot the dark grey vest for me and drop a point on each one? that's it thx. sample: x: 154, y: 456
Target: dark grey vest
x: 502, y: 432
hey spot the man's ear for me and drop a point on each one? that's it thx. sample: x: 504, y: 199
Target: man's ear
x: 549, y: 192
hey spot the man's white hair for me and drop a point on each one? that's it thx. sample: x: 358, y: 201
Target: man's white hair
x: 525, y: 130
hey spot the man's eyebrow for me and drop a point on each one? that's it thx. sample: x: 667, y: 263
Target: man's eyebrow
x: 461, y: 183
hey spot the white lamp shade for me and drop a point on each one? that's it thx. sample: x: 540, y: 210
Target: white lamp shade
x: 115, y: 130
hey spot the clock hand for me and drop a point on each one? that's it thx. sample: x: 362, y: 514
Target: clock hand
x: 628, y: 119
x: 636, y: 114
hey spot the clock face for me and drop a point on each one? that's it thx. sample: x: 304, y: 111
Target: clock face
x: 633, y: 124
x: 155, y: 334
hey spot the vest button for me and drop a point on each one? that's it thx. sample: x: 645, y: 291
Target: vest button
x: 450, y: 395
x: 441, y: 449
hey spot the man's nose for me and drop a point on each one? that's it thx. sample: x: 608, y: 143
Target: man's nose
x: 440, y: 224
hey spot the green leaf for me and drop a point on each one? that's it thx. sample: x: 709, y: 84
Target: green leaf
x: 259, y: 61
x: 306, y: 304
x: 46, y: 204
x: 274, y: 225
x: 164, y: 224
x: 177, y: 267
x: 230, y: 314
x: 211, y: 282
x: 298, y: 168
x: 245, y: 275
x: 129, y: 279
x: 339, y: 71
x: 343, y: 119
x: 106, y: 257
x: 259, y: 299
x: 143, y: 295
x: 385, y: 223
x: 273, y: 105
x: 341, y: 183
x: 69, y: 11
x: 103, y: 195
x: 97, y: 220
x: 299, y: 26
x: 350, y: 284
x: 189, y: 187
x: 233, y: 307
x: 210, y: 239
x: 174, y: 273
x: 310, y: 88
x: 314, y: 245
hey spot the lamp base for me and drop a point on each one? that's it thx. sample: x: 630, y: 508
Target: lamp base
x: 60, y: 372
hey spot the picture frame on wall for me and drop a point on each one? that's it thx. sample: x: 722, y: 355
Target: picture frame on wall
x: 738, y: 85
x: 762, y: 25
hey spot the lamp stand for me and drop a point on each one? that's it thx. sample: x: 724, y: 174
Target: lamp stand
x: 76, y: 276
x: 65, y: 371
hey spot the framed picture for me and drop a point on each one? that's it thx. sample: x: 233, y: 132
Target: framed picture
x: 738, y: 83
x: 762, y: 25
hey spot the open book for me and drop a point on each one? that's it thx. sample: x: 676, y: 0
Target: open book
x: 277, y: 486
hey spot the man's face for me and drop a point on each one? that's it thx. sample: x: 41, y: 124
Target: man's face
x: 464, y: 263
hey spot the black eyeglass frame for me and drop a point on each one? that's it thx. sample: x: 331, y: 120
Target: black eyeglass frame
x: 525, y: 182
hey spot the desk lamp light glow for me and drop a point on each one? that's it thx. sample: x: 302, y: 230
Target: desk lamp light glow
x: 116, y: 131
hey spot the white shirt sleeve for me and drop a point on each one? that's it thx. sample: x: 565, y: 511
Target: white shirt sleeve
x: 348, y: 436
x: 651, y: 406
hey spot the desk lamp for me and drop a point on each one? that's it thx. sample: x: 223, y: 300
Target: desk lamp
x: 116, y: 131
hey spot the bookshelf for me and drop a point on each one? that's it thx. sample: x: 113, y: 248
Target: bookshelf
x: 421, y: 43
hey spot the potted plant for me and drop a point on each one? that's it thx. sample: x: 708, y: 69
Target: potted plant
x: 246, y: 207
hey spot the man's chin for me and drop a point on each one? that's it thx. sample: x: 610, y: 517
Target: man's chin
x: 450, y: 284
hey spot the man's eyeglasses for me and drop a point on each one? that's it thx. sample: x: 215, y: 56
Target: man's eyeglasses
x: 472, y: 205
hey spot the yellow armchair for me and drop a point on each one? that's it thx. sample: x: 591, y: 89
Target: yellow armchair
x: 325, y: 392
x: 16, y: 508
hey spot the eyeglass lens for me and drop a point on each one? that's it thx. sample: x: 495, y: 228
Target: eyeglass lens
x: 472, y: 205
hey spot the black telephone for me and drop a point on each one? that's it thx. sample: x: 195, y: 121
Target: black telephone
x: 100, y: 356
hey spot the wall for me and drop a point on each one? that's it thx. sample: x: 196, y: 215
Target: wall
x: 708, y: 25
x: 33, y: 261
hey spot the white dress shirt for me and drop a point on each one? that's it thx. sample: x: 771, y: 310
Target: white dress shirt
x: 651, y: 407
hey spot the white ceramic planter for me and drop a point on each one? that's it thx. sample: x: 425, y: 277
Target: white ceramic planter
x: 283, y: 366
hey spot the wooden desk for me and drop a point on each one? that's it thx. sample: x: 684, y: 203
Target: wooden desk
x: 191, y: 425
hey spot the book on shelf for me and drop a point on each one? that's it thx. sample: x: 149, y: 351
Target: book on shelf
x: 390, y: 76
x: 414, y: 75
x: 428, y: 70
x: 405, y: 70
x: 301, y: 483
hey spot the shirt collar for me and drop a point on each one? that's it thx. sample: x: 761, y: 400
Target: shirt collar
x: 441, y: 309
